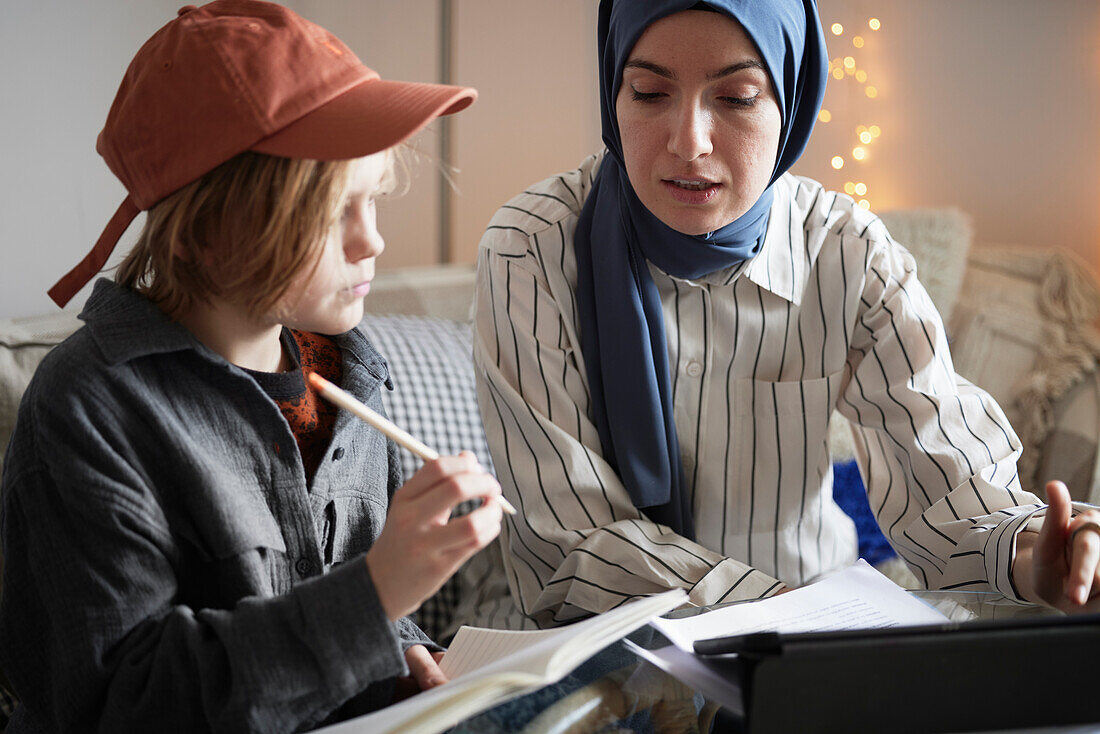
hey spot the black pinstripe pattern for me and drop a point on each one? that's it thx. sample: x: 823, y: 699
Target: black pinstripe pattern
x: 828, y: 316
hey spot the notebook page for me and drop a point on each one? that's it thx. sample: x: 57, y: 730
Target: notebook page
x: 475, y: 647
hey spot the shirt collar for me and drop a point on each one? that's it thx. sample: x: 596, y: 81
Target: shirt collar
x: 780, y: 267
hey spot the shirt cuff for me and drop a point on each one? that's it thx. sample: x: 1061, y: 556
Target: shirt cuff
x: 732, y: 581
x: 1000, y: 552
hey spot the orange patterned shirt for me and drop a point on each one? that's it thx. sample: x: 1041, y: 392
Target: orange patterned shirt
x: 311, y: 418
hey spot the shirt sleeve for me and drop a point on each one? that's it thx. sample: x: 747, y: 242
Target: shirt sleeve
x: 937, y: 454
x: 577, y: 545
x: 92, y: 634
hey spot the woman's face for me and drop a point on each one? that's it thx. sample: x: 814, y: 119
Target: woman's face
x: 699, y: 121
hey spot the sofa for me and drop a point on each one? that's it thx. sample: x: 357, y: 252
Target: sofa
x: 1021, y: 324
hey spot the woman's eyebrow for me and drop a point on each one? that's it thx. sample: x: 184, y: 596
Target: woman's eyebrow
x: 650, y: 66
x: 670, y: 74
x: 734, y: 68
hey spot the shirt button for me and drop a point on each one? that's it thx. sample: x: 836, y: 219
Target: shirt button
x: 693, y: 369
x: 303, y: 567
x: 338, y: 453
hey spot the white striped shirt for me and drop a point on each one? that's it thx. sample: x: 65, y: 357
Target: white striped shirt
x: 828, y: 316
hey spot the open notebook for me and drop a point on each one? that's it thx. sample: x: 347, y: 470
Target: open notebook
x: 488, y: 667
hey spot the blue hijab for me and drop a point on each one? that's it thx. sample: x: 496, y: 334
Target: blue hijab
x: 622, y: 334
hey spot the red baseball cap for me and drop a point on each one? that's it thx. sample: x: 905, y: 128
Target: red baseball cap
x: 238, y: 75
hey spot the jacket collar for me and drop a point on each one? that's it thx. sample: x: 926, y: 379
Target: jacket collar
x: 126, y: 325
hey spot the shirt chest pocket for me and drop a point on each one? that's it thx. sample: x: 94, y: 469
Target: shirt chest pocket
x: 779, y: 428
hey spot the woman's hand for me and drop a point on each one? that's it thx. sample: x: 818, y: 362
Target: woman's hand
x: 424, y: 673
x: 421, y: 546
x: 1060, y: 565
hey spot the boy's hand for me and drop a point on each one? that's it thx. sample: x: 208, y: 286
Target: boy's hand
x: 421, y: 546
x: 424, y: 673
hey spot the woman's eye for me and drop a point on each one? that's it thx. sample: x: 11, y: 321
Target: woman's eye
x: 740, y: 101
x: 644, y: 96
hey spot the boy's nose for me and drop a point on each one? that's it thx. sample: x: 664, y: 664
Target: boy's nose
x: 362, y: 240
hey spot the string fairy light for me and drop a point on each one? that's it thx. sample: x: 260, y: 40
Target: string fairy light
x: 866, y: 136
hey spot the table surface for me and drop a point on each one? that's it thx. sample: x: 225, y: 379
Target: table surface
x: 615, y: 691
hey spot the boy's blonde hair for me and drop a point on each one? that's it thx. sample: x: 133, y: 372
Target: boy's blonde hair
x: 242, y: 232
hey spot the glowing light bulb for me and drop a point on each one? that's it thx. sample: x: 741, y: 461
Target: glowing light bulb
x: 858, y: 41
x: 837, y: 29
x: 837, y: 162
x: 861, y: 76
x: 871, y: 92
x: 866, y: 137
x: 875, y: 130
x: 849, y: 188
x: 874, y: 24
x: 859, y: 153
x: 860, y: 188
x: 865, y: 204
x: 824, y: 116
x: 849, y: 62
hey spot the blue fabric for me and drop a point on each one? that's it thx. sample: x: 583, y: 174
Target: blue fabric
x: 617, y: 300
x: 850, y: 494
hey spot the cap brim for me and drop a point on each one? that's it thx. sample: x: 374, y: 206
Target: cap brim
x: 369, y: 117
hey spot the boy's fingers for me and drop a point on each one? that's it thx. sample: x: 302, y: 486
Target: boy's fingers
x: 433, y: 472
x: 424, y: 668
x: 455, y: 489
x: 471, y: 531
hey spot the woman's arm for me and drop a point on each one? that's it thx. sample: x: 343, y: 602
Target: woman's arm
x: 937, y: 454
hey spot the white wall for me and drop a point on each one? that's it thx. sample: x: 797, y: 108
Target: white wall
x: 989, y: 105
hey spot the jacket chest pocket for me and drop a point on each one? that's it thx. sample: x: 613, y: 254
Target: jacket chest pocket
x: 352, y: 524
x: 245, y: 556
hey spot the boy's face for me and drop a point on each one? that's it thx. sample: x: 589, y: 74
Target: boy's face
x: 330, y: 299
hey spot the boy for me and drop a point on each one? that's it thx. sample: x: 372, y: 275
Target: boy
x: 193, y: 540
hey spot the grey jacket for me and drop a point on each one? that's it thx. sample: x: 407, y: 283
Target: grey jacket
x: 167, y: 567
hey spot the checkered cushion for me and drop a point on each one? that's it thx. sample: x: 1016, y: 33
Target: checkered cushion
x: 434, y: 399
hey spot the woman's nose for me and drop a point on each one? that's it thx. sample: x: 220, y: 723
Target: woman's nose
x: 690, y: 136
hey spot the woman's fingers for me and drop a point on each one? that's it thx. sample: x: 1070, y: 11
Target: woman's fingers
x: 1050, y: 547
x: 1083, y: 547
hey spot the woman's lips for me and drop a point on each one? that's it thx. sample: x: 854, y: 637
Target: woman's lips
x: 691, y: 190
x: 362, y: 289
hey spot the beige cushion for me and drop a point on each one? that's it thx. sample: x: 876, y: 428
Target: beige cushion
x: 1023, y: 329
x: 23, y: 343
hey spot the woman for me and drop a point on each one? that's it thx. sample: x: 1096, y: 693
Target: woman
x: 664, y: 332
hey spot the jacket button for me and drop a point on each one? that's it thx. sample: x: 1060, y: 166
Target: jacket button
x: 338, y: 453
x: 303, y: 567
